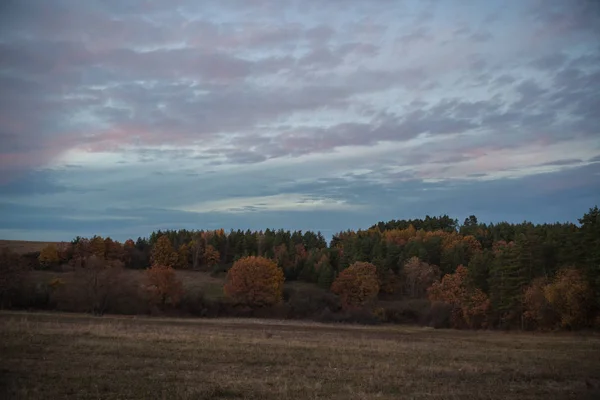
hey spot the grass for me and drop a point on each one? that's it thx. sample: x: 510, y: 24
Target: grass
x: 23, y: 246
x: 58, y: 356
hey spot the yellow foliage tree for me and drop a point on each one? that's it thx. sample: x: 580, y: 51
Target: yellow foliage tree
x: 163, y: 253
x: 571, y: 297
x: 255, y: 281
x: 98, y: 247
x: 49, y: 256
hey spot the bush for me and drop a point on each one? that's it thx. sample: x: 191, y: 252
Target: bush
x: 255, y: 282
x: 11, y: 276
x: 310, y: 303
x: 197, y: 305
x: 361, y: 316
x: 439, y: 316
x: 406, y: 311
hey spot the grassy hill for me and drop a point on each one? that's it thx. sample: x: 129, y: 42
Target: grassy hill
x: 23, y: 246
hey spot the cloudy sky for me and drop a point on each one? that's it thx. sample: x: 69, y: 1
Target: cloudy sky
x: 121, y: 117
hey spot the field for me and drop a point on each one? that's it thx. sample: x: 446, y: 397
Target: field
x: 23, y: 246
x: 58, y: 356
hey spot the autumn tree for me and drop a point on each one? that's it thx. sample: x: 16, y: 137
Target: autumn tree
x: 255, y: 281
x: 211, y: 256
x: 113, y: 250
x: 163, y: 253
x: 357, y: 285
x: 163, y: 286
x: 538, y: 313
x: 418, y: 277
x: 49, y: 256
x: 128, y: 252
x: 98, y: 247
x: 81, y: 252
x: 183, y: 256
x: 571, y: 297
x: 100, y: 282
x: 469, y: 305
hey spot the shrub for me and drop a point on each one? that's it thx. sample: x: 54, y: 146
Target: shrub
x: 309, y: 303
x: 255, y: 282
x: 349, y: 316
x: 11, y: 276
x: 439, y: 316
x: 99, y: 281
x: 357, y: 285
x: 406, y: 311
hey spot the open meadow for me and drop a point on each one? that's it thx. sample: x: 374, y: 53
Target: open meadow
x: 23, y: 246
x: 56, y: 356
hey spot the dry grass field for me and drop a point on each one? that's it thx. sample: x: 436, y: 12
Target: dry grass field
x: 22, y: 246
x: 58, y: 356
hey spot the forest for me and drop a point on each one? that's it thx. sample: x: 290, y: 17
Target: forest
x: 432, y: 271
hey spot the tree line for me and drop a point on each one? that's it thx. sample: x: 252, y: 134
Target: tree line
x: 474, y: 275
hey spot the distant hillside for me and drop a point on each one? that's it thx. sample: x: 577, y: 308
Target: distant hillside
x: 22, y: 246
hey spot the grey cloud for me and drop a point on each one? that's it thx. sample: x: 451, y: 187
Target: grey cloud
x: 481, y: 36
x: 245, y: 157
x: 244, y: 82
x: 550, y: 62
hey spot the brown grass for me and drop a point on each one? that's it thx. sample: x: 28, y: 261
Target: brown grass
x: 58, y: 356
x: 23, y: 246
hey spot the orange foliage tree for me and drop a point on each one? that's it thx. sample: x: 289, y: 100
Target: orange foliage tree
x: 357, y: 285
x: 255, y: 281
x: 163, y: 286
x: 183, y: 256
x: 113, y: 250
x: 211, y: 256
x: 469, y: 305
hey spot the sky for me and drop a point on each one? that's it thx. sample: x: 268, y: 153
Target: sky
x: 118, y: 118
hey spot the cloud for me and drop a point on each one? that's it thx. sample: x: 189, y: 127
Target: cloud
x: 117, y: 115
x: 281, y: 202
